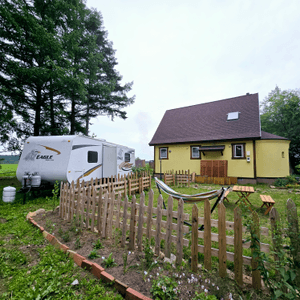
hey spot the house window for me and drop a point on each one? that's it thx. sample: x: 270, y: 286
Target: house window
x: 238, y: 151
x: 92, y: 157
x: 163, y: 153
x: 195, y: 153
x: 282, y: 154
x: 127, y: 157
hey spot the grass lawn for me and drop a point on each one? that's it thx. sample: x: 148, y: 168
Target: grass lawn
x: 8, y: 170
x: 31, y: 268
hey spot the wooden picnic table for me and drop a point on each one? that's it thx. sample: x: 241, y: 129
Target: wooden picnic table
x: 243, y: 192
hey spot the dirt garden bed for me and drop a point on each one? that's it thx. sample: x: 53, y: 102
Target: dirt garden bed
x: 139, y: 277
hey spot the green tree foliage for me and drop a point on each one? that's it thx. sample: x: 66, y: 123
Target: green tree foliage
x: 281, y: 116
x: 57, y: 69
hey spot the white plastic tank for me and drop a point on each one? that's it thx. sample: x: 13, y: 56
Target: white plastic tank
x: 9, y: 194
x: 36, y: 181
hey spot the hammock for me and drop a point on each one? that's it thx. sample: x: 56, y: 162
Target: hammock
x: 192, y: 198
x: 188, y: 198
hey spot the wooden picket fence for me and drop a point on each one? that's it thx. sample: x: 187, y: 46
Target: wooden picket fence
x: 179, y: 178
x: 100, y: 211
x: 133, y: 183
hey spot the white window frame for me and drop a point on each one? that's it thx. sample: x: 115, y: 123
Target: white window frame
x: 166, y: 152
x: 242, y: 151
x: 192, y: 152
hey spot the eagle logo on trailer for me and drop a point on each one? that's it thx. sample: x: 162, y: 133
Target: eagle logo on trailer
x: 35, y: 154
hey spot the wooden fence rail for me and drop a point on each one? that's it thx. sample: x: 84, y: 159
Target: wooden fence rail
x: 125, y: 185
x: 179, y: 178
x: 100, y: 210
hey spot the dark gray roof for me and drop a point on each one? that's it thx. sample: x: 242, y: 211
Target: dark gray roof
x: 208, y: 122
x: 270, y: 136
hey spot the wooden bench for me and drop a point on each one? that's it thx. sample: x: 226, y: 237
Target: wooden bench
x: 267, y: 201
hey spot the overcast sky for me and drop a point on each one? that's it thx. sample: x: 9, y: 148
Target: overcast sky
x: 181, y: 53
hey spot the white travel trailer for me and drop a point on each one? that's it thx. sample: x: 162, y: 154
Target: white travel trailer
x: 46, y: 159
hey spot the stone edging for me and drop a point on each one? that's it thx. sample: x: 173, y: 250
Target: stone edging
x: 127, y: 292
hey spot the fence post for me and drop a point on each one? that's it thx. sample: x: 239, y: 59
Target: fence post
x: 238, y: 249
x: 111, y: 213
x: 129, y: 187
x: 94, y: 192
x: 158, y: 224
x: 124, y: 223
x: 189, y: 178
x: 78, y: 200
x: 256, y: 279
x: 207, y: 235
x: 83, y: 199
x: 222, y: 240
x: 100, y: 203
x: 169, y: 227
x: 88, y: 200
x: 141, y: 222
x: 104, y: 215
x: 132, y: 224
x: 195, y: 225
x: 149, y: 217
x: 118, y: 210
x: 179, y: 232
x: 60, y: 198
x: 140, y: 185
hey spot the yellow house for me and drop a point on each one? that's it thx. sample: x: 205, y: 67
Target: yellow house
x: 220, y: 138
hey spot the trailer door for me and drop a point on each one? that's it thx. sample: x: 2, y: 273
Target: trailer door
x: 109, y: 161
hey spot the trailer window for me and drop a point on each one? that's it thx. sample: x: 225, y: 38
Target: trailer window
x: 92, y: 157
x: 127, y: 157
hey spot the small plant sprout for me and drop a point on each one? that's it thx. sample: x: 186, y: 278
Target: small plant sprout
x: 109, y: 261
x: 98, y: 245
x: 94, y: 254
x: 126, y: 264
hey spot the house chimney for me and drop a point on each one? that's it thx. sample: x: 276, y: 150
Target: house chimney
x: 247, y: 94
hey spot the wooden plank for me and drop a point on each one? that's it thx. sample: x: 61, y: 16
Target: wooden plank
x: 94, y: 192
x: 60, y: 199
x: 83, y: 197
x: 118, y: 210
x: 141, y: 222
x: 149, y: 216
x: 238, y: 250
x: 111, y: 213
x: 88, y: 199
x: 230, y: 226
x: 276, y: 232
x: 100, y: 211
x: 195, y: 226
x: 207, y: 236
x: 131, y: 245
x: 158, y: 224
x: 169, y: 228
x: 124, y: 221
x: 256, y: 278
x: 222, y: 240
x: 104, y: 216
x: 179, y: 252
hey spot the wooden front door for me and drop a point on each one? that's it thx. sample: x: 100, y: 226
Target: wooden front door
x: 213, y: 168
